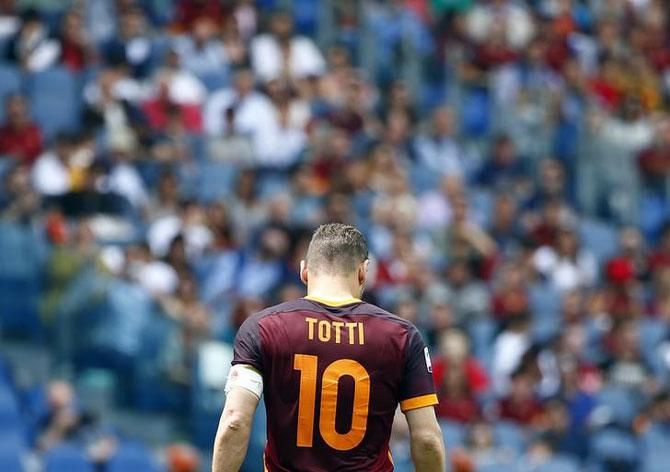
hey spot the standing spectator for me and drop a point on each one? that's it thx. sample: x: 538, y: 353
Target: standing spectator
x: 20, y: 137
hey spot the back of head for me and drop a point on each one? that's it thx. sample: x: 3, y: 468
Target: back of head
x: 336, y: 249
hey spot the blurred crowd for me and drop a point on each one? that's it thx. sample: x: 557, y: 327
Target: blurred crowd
x: 164, y: 162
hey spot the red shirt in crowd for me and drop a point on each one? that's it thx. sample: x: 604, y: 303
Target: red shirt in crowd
x: 23, y: 142
x: 464, y: 408
x: 524, y: 412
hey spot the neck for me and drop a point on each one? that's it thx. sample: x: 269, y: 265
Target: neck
x: 333, y: 289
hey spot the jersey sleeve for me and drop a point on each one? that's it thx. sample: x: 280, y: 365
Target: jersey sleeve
x: 247, y: 348
x: 417, y: 389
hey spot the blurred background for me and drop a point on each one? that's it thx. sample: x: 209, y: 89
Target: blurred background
x: 163, y: 163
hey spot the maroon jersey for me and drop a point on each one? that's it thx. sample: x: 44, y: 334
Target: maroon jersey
x: 333, y: 376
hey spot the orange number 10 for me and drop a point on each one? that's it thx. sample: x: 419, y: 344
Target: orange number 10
x: 307, y: 365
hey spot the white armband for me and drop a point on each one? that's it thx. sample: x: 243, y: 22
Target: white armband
x: 246, y: 377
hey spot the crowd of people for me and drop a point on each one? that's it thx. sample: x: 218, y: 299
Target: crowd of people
x: 507, y: 160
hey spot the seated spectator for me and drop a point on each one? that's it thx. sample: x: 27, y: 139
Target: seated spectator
x: 625, y: 366
x: 551, y: 185
x: 32, y: 48
x: 193, y: 319
x: 459, y: 379
x: 509, y: 348
x: 251, y: 108
x: 51, y: 174
x: 567, y: 266
x: 505, y: 227
x: 247, y: 209
x: 18, y: 199
x: 157, y: 277
x: 20, y: 137
x: 123, y: 178
x: 133, y: 45
x: 76, y: 53
x: 468, y: 297
x: 190, y: 11
x: 92, y: 199
x: 190, y: 221
x: 438, y: 150
x: 501, y: 14
x: 521, y: 405
x: 182, y: 85
x: 559, y: 432
x: 164, y: 201
x: 468, y: 241
x: 279, y: 54
x: 436, y: 206
x: 504, y: 168
x: 201, y: 52
x: 660, y: 255
x: 510, y: 295
x: 232, y: 146
x: 10, y: 22
x: 65, y: 421
x: 483, y: 449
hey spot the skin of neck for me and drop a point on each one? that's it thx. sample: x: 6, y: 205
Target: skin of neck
x: 334, y: 287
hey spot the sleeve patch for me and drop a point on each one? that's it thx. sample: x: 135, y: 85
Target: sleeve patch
x: 429, y: 365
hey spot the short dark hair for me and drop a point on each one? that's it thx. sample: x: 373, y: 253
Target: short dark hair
x: 336, y: 249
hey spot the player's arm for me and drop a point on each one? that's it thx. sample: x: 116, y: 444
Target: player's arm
x: 244, y: 388
x: 417, y: 400
x: 426, y: 442
x: 232, y: 437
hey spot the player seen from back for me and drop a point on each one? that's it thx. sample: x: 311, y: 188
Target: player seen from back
x: 333, y: 370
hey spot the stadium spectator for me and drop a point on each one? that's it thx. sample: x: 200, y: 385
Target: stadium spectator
x: 20, y: 137
x: 279, y: 54
x: 459, y: 378
x: 32, y: 47
x: 491, y: 152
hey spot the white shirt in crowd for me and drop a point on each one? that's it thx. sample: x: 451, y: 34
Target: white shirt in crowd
x: 564, y: 273
x: 50, y: 175
x: 267, y: 59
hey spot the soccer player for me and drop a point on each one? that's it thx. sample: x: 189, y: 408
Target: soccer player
x: 333, y: 370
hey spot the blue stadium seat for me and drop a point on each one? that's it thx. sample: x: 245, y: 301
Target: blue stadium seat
x: 215, y: 181
x: 559, y: 463
x: 498, y: 467
x: 545, y: 300
x: 510, y: 436
x: 132, y: 457
x: 215, y: 80
x: 55, y: 100
x: 453, y: 434
x: 67, y: 457
x: 10, y: 461
x: 612, y: 447
x: 599, y: 238
x: 481, y: 333
x: 622, y: 404
x: 655, y: 443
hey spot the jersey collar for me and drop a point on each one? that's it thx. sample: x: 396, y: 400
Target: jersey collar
x: 333, y: 303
